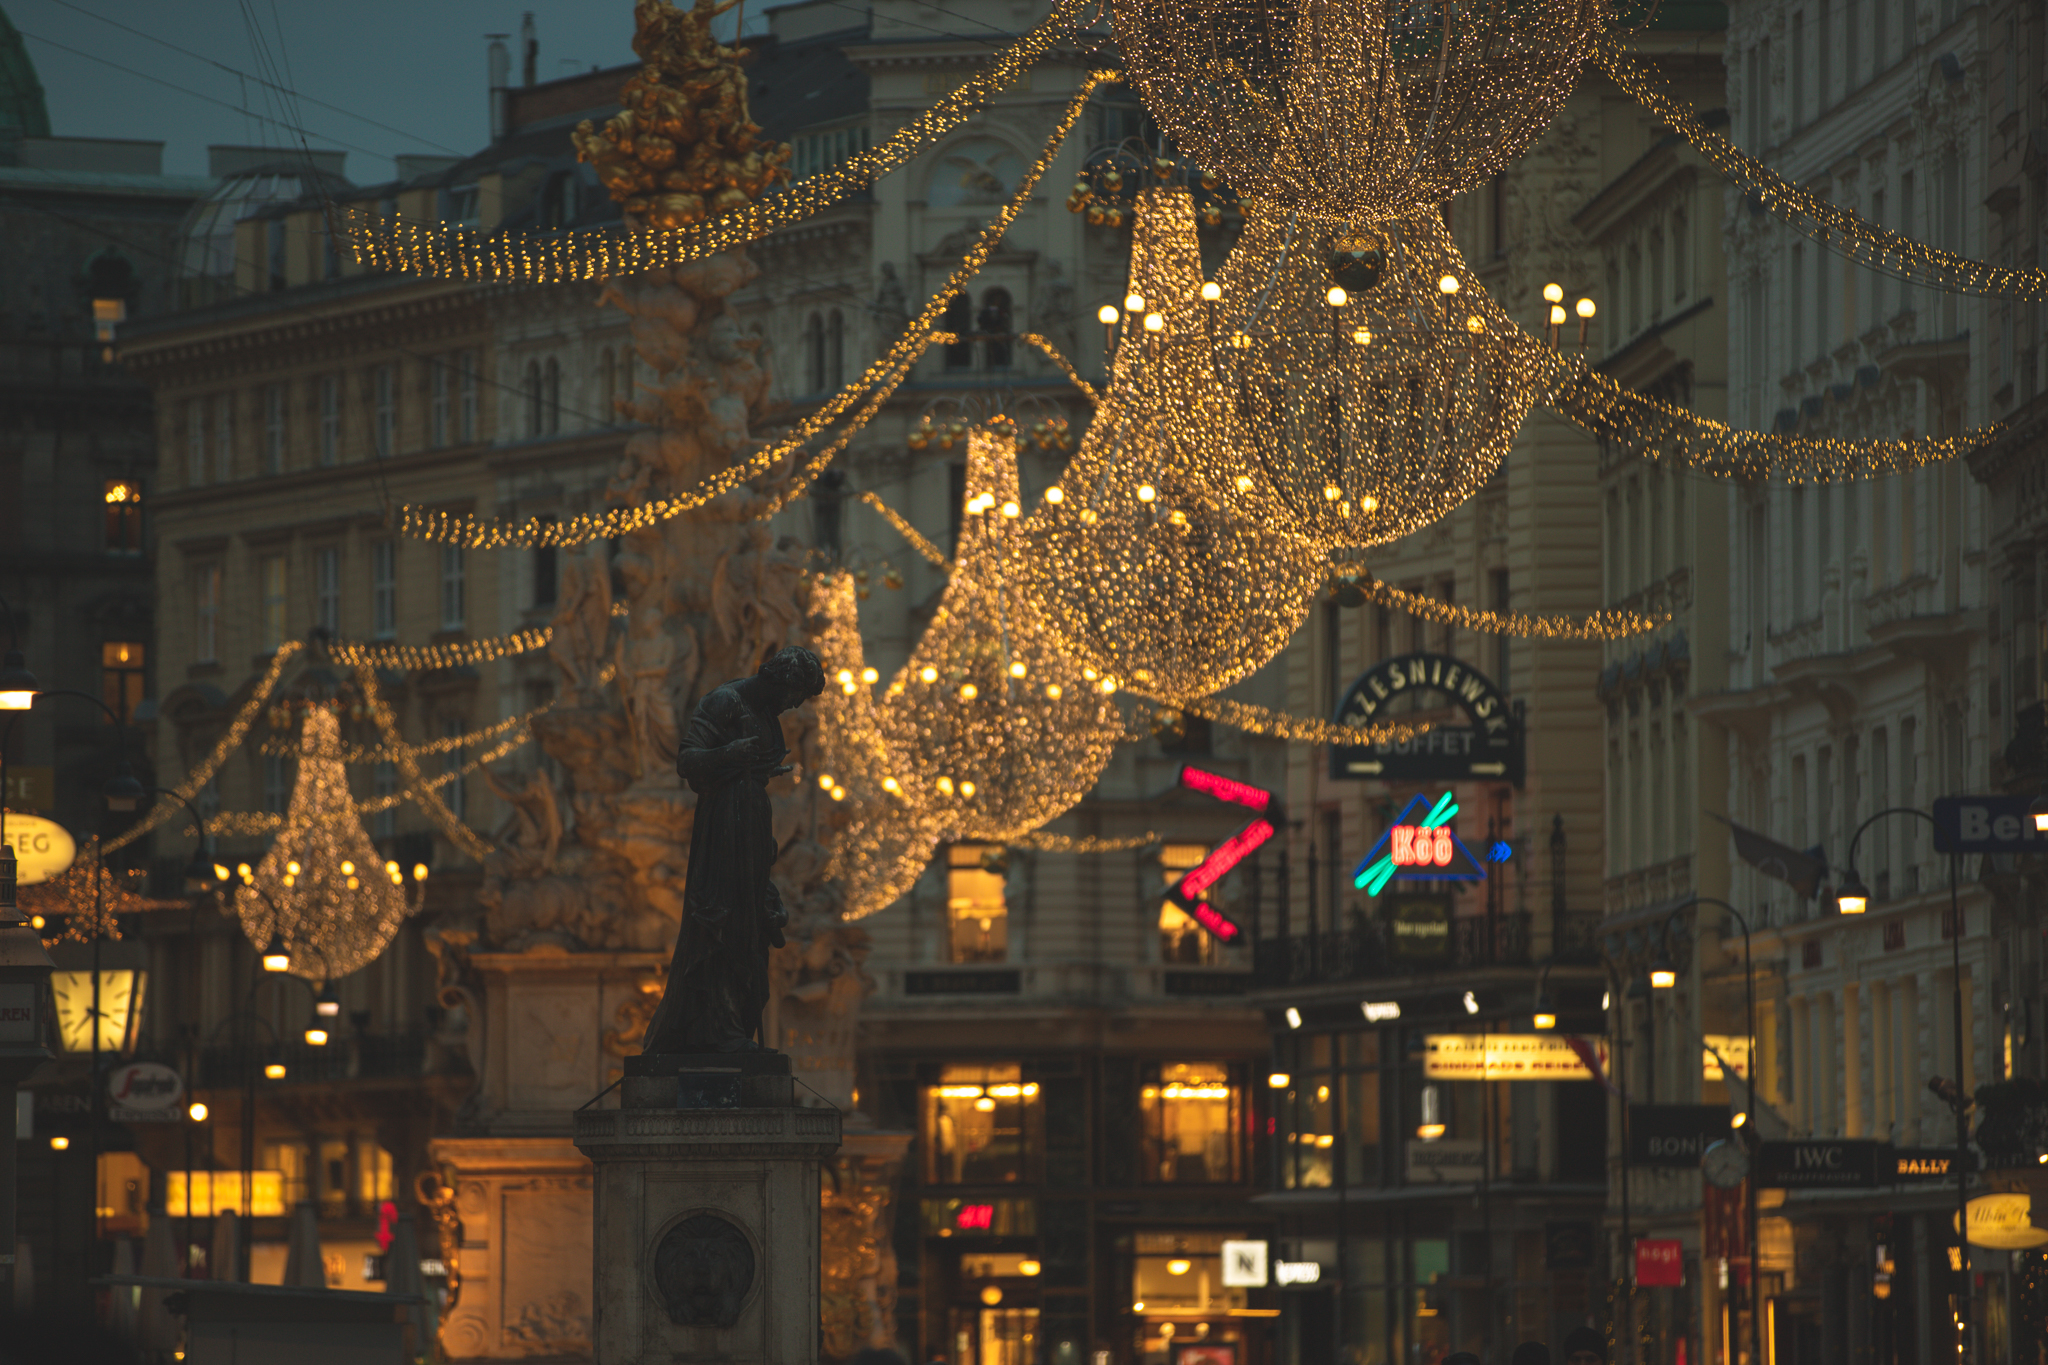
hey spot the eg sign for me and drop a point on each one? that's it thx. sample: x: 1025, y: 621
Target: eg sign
x: 42, y: 848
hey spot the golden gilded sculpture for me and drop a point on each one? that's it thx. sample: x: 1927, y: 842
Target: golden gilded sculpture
x: 684, y: 148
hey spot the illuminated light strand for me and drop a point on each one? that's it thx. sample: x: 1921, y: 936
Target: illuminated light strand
x: 450, y: 251
x: 1084, y: 845
x: 427, y: 524
x: 358, y: 754
x: 351, y: 653
x: 1355, y: 109
x: 800, y: 483
x: 910, y: 534
x: 1839, y: 229
x: 422, y: 794
x: 1601, y: 625
x: 1260, y: 720
x: 230, y: 740
x: 265, y: 822
x: 1066, y: 366
x: 71, y: 896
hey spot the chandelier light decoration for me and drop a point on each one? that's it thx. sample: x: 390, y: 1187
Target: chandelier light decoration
x: 1355, y: 109
x: 1378, y: 385
x: 322, y: 892
x: 1160, y: 559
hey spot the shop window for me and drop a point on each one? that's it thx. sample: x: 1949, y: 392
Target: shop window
x: 1181, y: 1273
x: 123, y: 1195
x: 982, y: 1126
x: 976, y: 912
x: 977, y: 1216
x: 334, y: 1177
x: 293, y: 1161
x: 222, y: 1192
x: 1181, y: 940
x: 373, y: 1174
x: 1192, y: 1120
x: 124, y: 517
x: 121, y: 677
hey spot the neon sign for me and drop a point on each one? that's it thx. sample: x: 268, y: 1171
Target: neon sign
x: 975, y: 1217
x: 1187, y: 892
x: 1421, y: 846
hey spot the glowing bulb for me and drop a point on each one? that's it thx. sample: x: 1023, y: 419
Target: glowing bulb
x: 1108, y: 686
x: 1154, y: 323
x: 1546, y: 1021
x: 1054, y: 495
x: 1331, y: 492
x: 839, y: 793
x: 1337, y: 297
x: 1028, y: 1267
x: 1179, y: 1265
x: 1553, y: 293
x: 845, y: 675
x: 198, y: 1111
x: 419, y: 872
x: 1475, y: 324
x: 1361, y: 336
x: 243, y: 872
x: 868, y: 675
x: 1278, y: 1080
x: 391, y: 869
x: 1584, y: 308
x: 316, y: 1037
x: 1212, y: 291
x: 348, y: 869
x: 985, y: 1105
x: 1242, y: 341
x: 1557, y: 315
x: 59, y: 1143
x: 274, y: 1071
x: 1369, y: 503
x: 1244, y: 483
x: 220, y: 873
x: 1106, y: 314
x: 1738, y: 1120
x: 967, y: 790
x: 1448, y: 284
x: 891, y: 785
x: 1293, y: 1017
x: 292, y: 868
x: 1134, y: 303
x: 1011, y: 509
x: 945, y: 786
x: 825, y: 781
x: 1017, y: 668
x: 928, y: 674
x: 1052, y: 691
x: 1663, y: 979
x: 1146, y: 492
x: 968, y: 691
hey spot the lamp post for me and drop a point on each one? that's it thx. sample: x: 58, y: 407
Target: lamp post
x: 1853, y: 898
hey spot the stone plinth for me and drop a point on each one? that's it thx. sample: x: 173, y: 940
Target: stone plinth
x: 521, y: 1221
x: 707, y: 1237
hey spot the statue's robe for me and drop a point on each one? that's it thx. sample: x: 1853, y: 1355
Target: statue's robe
x: 732, y: 914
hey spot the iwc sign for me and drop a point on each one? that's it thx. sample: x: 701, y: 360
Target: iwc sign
x: 1489, y: 745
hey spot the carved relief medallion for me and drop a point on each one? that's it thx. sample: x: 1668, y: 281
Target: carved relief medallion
x: 703, y: 1268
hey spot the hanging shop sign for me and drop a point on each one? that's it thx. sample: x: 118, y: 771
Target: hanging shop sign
x: 2003, y: 1222
x: 1447, y: 1161
x: 1509, y: 1057
x: 1244, y: 1265
x: 144, y: 1092
x: 1848, y: 1164
x: 1674, y: 1136
x: 1297, y: 1272
x: 42, y: 848
x: 1487, y: 747
x: 1986, y: 824
x: 1420, y: 846
x: 1190, y: 892
x: 1660, y: 1263
x: 1420, y: 928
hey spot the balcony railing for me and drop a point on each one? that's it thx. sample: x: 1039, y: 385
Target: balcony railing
x: 1365, y: 950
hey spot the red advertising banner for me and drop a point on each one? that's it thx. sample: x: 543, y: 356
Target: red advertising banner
x: 1660, y: 1263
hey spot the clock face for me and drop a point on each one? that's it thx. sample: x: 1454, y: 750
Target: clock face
x: 1725, y: 1164
x: 73, y: 992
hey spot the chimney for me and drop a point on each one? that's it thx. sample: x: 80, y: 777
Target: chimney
x: 499, y: 64
x: 529, y: 47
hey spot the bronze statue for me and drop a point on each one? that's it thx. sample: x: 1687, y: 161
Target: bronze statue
x: 732, y: 914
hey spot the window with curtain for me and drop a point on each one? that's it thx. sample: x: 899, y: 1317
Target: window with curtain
x: 977, y: 909
x: 1192, y: 1118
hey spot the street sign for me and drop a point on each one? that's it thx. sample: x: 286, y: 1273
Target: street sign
x: 1986, y: 824
x: 42, y: 848
x: 1673, y: 1136
x: 1244, y: 1265
x: 1489, y: 746
x: 1848, y: 1164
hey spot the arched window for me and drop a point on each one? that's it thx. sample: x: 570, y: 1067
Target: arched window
x: 554, y: 396
x: 533, y: 398
x: 814, y: 354
x: 959, y: 320
x: 608, y: 385
x: 994, y: 325
x: 835, y: 351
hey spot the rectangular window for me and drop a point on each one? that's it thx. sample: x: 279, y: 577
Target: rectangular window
x: 384, y: 410
x: 451, y: 587
x: 1191, y: 1124
x: 545, y: 576
x: 277, y: 783
x: 975, y: 905
x: 206, y: 614
x: 273, y: 429
x: 455, y: 795
x: 437, y: 404
x: 468, y: 397
x: 384, y: 785
x: 1181, y: 940
x: 195, y: 442
x: 384, y: 589
x: 1500, y: 604
x: 982, y: 1126
x: 123, y: 499
x: 223, y: 438
x: 270, y: 577
x: 327, y: 589
x: 121, y: 677
x: 1181, y: 1273
x: 330, y: 420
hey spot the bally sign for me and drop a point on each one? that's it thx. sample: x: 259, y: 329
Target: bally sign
x: 1673, y: 1136
x: 1851, y: 1164
x: 1488, y: 746
x: 1985, y: 824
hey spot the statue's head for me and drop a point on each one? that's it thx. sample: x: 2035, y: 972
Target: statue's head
x: 795, y: 674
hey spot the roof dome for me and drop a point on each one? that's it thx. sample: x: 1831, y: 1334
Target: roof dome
x: 206, y: 241
x: 22, y: 111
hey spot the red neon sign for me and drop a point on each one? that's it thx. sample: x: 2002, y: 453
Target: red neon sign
x: 1227, y: 855
x: 975, y: 1217
x: 1225, y: 788
x: 1416, y: 846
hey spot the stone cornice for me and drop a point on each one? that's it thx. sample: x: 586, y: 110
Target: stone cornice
x: 212, y: 341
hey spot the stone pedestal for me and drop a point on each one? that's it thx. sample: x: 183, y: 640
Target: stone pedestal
x: 706, y: 1229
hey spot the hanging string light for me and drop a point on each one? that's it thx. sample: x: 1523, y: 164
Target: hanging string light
x: 1601, y: 625
x: 466, y: 654
x: 429, y: 524
x: 322, y: 892
x: 1837, y: 228
x: 443, y: 250
x: 1355, y: 109
x: 1160, y: 559
x: 417, y: 787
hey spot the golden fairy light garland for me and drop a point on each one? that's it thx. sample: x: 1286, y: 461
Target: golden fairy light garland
x: 378, y: 753
x: 1066, y: 366
x: 1839, y: 229
x: 427, y: 524
x: 915, y: 537
x: 1355, y: 109
x: 1601, y: 625
x: 264, y: 822
x: 450, y: 251
x: 352, y: 653
x: 1261, y: 720
x: 1042, y: 842
x: 230, y: 740
x: 423, y: 795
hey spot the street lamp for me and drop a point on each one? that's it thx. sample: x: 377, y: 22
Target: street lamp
x: 1663, y: 976
x: 2038, y: 811
x: 24, y: 985
x: 1852, y: 891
